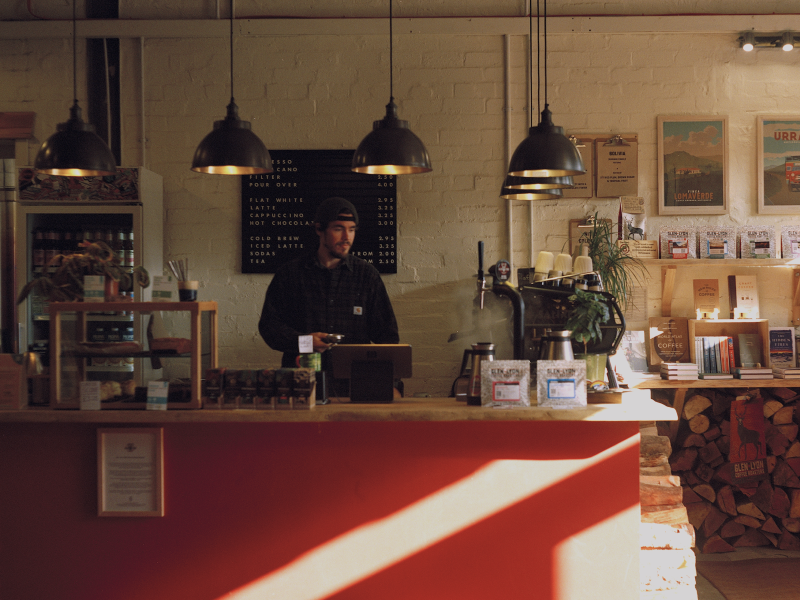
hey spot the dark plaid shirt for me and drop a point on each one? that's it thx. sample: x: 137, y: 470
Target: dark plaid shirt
x: 305, y: 297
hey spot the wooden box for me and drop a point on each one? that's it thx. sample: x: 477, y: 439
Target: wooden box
x: 731, y: 328
x: 13, y: 383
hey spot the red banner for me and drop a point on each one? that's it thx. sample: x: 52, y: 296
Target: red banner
x: 748, y: 449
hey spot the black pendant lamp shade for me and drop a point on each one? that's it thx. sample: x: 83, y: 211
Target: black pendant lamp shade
x: 512, y: 194
x: 391, y: 148
x: 232, y: 148
x: 538, y: 183
x: 75, y: 150
x: 546, y: 152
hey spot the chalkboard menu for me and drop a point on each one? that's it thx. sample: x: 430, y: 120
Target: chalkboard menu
x: 278, y: 209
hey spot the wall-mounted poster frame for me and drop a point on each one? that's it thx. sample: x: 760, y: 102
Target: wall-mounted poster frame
x: 692, y: 165
x: 130, y: 472
x: 779, y: 165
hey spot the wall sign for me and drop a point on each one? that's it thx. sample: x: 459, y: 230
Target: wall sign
x: 278, y: 209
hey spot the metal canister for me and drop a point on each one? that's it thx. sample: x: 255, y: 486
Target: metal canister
x: 557, y: 345
x: 480, y: 352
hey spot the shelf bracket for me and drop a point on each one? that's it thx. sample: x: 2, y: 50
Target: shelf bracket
x: 667, y: 285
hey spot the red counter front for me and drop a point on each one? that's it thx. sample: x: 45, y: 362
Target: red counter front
x: 534, y: 509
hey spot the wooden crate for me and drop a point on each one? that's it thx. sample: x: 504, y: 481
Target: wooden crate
x: 732, y: 328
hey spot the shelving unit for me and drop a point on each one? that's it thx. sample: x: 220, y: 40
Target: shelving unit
x: 59, y: 312
x: 669, y: 271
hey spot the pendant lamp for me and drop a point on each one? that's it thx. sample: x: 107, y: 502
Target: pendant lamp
x: 512, y: 194
x: 391, y: 148
x: 546, y: 152
x: 232, y: 148
x: 75, y: 150
x: 538, y: 183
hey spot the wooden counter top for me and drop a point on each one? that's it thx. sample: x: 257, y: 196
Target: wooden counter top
x: 637, y: 406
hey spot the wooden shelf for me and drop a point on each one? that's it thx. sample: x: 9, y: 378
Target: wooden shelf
x: 661, y: 384
x: 726, y: 262
x: 195, y: 309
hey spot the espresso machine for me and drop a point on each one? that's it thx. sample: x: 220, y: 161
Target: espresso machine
x: 540, y: 309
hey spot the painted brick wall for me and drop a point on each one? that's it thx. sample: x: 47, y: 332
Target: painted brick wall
x: 324, y: 91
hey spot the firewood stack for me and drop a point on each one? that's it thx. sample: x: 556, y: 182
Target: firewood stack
x: 666, y: 560
x: 725, y: 515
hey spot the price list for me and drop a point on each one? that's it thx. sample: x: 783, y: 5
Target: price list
x: 278, y: 209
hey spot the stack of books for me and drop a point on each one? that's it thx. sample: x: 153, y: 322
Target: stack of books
x: 714, y: 354
x: 753, y: 373
x: 787, y: 373
x: 715, y: 376
x: 679, y: 371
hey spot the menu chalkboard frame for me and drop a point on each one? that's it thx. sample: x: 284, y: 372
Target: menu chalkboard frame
x: 278, y: 209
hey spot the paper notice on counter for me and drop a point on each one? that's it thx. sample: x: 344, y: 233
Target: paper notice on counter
x: 157, y: 393
x: 164, y: 287
x: 90, y: 395
x: 305, y: 344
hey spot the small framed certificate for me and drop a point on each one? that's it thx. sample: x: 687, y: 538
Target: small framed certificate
x: 130, y: 472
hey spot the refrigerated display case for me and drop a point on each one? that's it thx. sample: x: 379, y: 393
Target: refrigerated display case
x: 53, y: 215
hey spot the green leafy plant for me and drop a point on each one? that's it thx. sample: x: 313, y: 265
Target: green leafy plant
x: 618, y: 269
x: 588, y: 314
x: 62, y: 278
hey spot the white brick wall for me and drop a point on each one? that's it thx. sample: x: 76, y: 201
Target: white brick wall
x: 311, y: 92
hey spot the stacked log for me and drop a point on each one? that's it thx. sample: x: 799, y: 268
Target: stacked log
x: 725, y: 514
x: 666, y: 559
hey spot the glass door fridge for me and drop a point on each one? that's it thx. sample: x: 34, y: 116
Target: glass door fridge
x: 53, y: 215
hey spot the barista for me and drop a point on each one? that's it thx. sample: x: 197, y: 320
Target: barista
x: 327, y: 291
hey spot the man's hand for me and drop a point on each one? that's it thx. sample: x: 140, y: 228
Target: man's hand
x: 320, y: 345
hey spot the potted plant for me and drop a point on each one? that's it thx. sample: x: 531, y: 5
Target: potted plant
x: 618, y: 270
x: 589, y: 312
x: 62, y: 278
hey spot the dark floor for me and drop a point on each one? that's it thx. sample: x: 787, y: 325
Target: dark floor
x: 706, y: 591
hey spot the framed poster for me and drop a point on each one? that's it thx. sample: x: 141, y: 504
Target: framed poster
x: 130, y: 472
x: 692, y: 160
x: 779, y: 165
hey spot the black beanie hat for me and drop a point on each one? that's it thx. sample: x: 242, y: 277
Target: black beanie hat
x: 332, y: 208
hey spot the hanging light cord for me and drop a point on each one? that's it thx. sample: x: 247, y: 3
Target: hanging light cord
x: 231, y: 36
x: 391, y: 58
x: 74, y: 54
x: 545, y: 50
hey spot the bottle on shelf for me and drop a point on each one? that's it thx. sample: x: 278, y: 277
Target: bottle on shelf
x: 128, y: 249
x: 67, y: 242
x: 37, y: 252
x: 118, y: 245
x: 79, y: 237
x: 51, y: 248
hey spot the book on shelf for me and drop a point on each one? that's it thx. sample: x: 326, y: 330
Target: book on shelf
x: 669, y: 340
x: 706, y: 296
x: 786, y: 375
x: 781, y: 347
x: 671, y: 366
x: 753, y: 373
x: 688, y: 376
x: 743, y: 296
x: 713, y: 353
x: 750, y: 350
x: 715, y: 376
x: 787, y: 371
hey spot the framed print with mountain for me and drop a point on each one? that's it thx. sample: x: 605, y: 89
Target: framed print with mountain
x: 779, y: 165
x: 692, y: 162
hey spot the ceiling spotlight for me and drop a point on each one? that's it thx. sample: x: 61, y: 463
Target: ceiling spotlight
x: 748, y: 41
x: 787, y: 41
